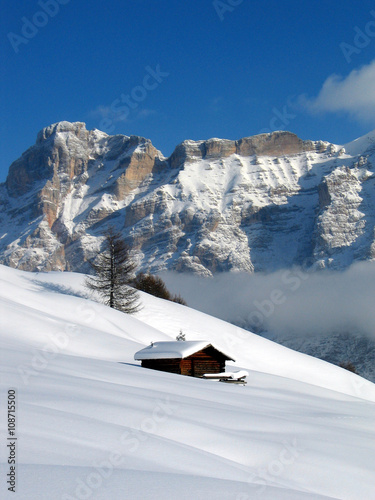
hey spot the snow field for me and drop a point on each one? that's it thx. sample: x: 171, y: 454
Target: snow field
x: 91, y: 423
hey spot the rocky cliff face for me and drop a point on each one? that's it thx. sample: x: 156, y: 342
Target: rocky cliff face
x: 258, y: 203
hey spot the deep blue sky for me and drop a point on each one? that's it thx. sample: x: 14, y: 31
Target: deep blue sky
x: 226, y: 77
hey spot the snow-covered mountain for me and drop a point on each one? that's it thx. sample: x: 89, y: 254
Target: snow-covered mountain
x: 260, y: 203
x: 92, y: 423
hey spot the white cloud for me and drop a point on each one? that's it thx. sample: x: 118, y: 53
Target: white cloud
x: 144, y: 113
x: 103, y: 112
x: 286, y: 302
x: 354, y: 94
x: 100, y: 112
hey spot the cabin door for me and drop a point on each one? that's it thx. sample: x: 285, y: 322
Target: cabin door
x: 187, y: 367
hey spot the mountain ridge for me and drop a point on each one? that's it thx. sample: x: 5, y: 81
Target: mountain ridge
x: 214, y: 205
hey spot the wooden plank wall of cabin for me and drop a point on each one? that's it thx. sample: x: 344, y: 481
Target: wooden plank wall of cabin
x: 164, y: 365
x: 187, y: 367
x: 206, y: 361
x: 214, y: 353
x: 203, y: 363
x: 205, y: 366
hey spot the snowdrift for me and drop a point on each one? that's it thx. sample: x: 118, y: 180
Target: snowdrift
x: 91, y: 423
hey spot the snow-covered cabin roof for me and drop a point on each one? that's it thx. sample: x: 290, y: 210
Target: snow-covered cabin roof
x: 174, y: 350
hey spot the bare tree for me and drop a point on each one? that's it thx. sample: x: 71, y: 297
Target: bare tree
x: 113, y: 275
x: 154, y: 285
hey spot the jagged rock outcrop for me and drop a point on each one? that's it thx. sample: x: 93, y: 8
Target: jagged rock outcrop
x: 345, y: 224
x: 259, y: 203
x: 276, y: 144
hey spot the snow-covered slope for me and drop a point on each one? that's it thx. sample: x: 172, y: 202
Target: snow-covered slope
x: 260, y: 203
x: 91, y: 423
x: 362, y: 144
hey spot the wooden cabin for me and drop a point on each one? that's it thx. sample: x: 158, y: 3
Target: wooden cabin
x: 191, y: 358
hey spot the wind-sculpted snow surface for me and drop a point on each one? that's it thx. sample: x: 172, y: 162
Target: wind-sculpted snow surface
x: 91, y: 423
x: 257, y: 204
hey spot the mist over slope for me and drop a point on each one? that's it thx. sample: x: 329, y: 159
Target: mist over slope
x: 92, y: 423
x: 328, y: 314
